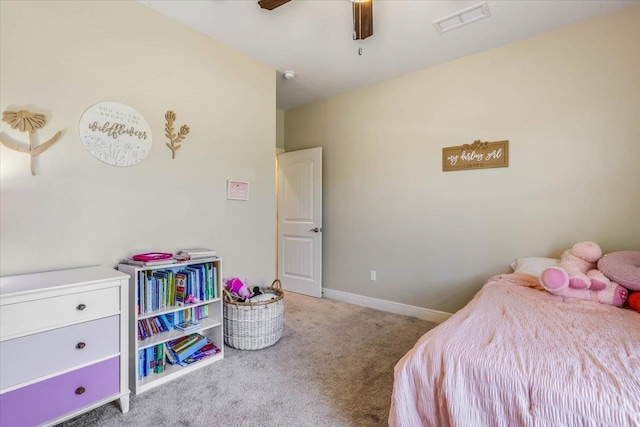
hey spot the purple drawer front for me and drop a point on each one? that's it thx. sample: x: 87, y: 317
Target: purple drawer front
x: 57, y: 396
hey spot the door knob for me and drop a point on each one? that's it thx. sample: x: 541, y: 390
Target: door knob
x: 315, y: 230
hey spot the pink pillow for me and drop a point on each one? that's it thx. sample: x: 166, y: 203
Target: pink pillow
x: 622, y: 267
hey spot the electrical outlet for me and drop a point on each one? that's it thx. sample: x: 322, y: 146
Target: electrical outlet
x: 373, y: 275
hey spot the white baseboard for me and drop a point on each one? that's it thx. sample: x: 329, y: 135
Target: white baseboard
x: 390, y: 306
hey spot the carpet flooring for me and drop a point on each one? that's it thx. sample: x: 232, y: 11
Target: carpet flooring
x: 333, y: 366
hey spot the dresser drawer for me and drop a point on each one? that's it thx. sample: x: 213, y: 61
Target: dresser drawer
x: 35, y: 356
x: 57, y: 396
x: 43, y: 314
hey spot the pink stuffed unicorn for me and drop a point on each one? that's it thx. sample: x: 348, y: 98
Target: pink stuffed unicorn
x: 577, y: 277
x: 236, y: 286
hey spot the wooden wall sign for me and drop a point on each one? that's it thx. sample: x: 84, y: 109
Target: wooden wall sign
x: 175, y: 139
x: 26, y: 121
x: 115, y: 134
x: 479, y: 155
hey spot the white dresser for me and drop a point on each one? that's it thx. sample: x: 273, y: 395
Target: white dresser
x: 63, y: 344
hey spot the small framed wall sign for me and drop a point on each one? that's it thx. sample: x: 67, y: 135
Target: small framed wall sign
x: 237, y: 190
x: 479, y: 155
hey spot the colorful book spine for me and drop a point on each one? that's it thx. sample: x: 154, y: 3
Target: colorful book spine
x: 215, y: 281
x: 166, y: 324
x: 159, y: 355
x: 141, y: 373
x: 151, y: 361
x: 181, y: 288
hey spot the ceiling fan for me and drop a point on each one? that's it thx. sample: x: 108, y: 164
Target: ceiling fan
x: 362, y: 15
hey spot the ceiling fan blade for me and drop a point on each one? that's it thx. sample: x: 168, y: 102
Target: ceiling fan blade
x: 362, y: 19
x: 272, y: 4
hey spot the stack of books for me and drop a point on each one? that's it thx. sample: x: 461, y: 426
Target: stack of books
x: 132, y: 261
x: 187, y: 326
x: 207, y: 350
x: 198, y: 253
x: 180, y: 349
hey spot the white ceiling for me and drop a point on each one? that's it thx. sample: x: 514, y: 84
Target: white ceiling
x: 314, y: 37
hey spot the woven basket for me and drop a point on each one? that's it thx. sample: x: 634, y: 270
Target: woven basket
x: 252, y: 326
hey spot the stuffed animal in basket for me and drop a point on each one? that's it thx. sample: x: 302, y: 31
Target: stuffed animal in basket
x: 577, y: 277
x: 237, y: 286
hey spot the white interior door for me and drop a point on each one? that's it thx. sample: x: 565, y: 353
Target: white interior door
x: 300, y: 221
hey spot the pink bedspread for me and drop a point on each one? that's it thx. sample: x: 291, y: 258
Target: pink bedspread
x: 519, y: 356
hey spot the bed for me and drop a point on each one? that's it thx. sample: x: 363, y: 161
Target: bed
x: 519, y: 356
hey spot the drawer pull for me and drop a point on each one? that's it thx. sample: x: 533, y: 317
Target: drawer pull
x: 80, y: 390
x: 80, y: 345
x: 81, y: 307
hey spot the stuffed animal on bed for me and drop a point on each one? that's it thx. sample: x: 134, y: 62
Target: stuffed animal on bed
x: 634, y: 301
x: 624, y: 268
x: 577, y: 277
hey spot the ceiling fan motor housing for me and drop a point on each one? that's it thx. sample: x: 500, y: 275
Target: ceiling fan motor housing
x: 362, y: 15
x: 362, y: 19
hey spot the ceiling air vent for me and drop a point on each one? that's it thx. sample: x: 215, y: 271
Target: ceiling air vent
x: 463, y: 17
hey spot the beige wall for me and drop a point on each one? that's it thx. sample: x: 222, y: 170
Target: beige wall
x: 280, y: 128
x: 59, y: 58
x: 568, y: 102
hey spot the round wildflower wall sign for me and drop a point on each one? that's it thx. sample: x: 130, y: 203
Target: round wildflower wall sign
x: 115, y: 134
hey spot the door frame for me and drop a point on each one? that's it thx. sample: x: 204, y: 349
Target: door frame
x: 316, y: 222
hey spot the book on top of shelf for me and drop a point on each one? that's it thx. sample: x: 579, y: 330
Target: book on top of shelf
x: 187, y: 326
x: 198, y: 253
x: 196, y: 250
x: 152, y: 256
x: 131, y: 261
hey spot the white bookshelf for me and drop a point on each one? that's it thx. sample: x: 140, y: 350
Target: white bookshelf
x: 211, y: 326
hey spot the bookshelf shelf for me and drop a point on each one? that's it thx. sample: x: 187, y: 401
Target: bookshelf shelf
x: 146, y: 289
x: 163, y: 337
x: 172, y: 372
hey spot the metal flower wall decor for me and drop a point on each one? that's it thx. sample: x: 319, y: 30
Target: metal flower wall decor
x: 26, y: 121
x: 174, y: 145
